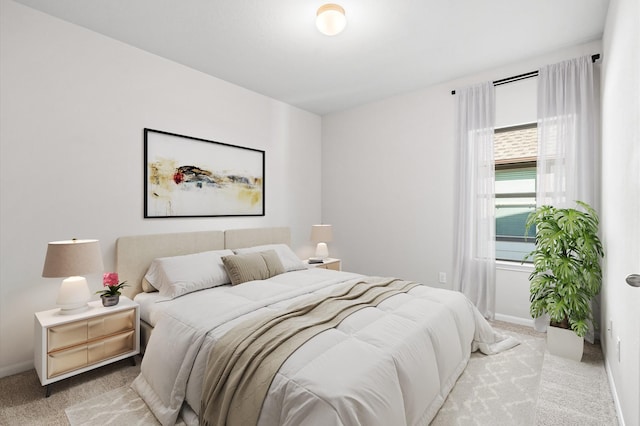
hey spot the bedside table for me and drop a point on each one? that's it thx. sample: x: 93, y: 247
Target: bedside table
x: 328, y: 263
x: 66, y: 345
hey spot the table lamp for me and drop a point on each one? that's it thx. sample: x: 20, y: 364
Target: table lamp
x: 322, y: 235
x: 70, y: 259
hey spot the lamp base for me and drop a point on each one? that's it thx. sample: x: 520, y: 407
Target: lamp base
x: 322, y: 251
x: 71, y: 311
x: 73, y: 295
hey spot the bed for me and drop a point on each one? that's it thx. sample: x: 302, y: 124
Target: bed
x: 391, y: 359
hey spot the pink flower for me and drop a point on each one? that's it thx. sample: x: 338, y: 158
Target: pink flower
x: 110, y: 279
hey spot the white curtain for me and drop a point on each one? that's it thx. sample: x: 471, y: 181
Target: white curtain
x: 568, y: 141
x: 568, y: 148
x: 474, y: 263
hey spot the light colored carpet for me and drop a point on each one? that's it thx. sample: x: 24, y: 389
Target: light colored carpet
x: 517, y: 387
x: 575, y: 393
x: 22, y: 400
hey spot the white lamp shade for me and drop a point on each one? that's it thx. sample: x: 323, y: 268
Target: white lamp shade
x: 321, y: 233
x: 70, y: 259
x: 330, y: 19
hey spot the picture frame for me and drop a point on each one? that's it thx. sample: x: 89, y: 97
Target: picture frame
x: 186, y: 176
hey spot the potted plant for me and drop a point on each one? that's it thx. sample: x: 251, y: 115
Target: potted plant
x: 566, y: 273
x: 111, y: 294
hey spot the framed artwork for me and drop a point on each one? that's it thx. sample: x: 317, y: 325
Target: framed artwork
x: 192, y: 177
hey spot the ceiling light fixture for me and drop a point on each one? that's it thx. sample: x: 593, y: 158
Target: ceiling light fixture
x: 330, y: 19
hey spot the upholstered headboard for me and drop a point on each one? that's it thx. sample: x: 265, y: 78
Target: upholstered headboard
x: 135, y: 253
x: 240, y: 238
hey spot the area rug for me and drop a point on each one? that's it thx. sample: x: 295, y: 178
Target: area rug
x: 120, y: 406
x: 493, y: 390
x: 498, y: 389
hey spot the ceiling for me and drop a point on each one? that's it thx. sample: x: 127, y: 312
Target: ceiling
x: 388, y: 47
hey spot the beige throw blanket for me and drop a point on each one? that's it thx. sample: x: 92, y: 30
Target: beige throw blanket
x: 242, y: 364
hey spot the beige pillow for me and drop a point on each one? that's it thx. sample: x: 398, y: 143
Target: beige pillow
x: 147, y: 287
x: 252, y: 266
x: 290, y: 261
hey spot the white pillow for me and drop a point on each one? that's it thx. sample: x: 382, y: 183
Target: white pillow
x: 290, y: 261
x: 179, y: 275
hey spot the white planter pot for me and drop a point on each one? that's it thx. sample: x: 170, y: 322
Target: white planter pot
x: 564, y: 343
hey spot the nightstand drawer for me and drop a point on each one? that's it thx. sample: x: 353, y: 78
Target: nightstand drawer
x: 334, y: 266
x: 110, y: 347
x: 71, y: 359
x: 66, y: 335
x: 67, y: 360
x: 111, y: 324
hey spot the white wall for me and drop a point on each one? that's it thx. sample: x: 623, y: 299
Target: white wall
x: 388, y: 179
x: 621, y: 202
x: 72, y: 113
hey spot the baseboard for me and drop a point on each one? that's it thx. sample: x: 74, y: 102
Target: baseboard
x: 612, y: 386
x: 515, y: 320
x: 16, y: 368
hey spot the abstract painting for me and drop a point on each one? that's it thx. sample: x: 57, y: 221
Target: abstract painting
x: 186, y: 176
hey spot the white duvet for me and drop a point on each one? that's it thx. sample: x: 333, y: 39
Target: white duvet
x: 389, y: 365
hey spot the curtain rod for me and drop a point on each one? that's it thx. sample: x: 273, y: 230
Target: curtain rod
x: 594, y: 58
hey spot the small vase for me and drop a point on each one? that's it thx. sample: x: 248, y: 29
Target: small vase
x: 108, y: 300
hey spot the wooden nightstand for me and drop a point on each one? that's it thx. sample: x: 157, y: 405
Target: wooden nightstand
x: 329, y: 263
x: 66, y: 345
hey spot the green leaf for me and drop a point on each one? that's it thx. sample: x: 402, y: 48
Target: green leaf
x: 566, y: 260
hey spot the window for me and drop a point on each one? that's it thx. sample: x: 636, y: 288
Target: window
x: 515, y: 151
